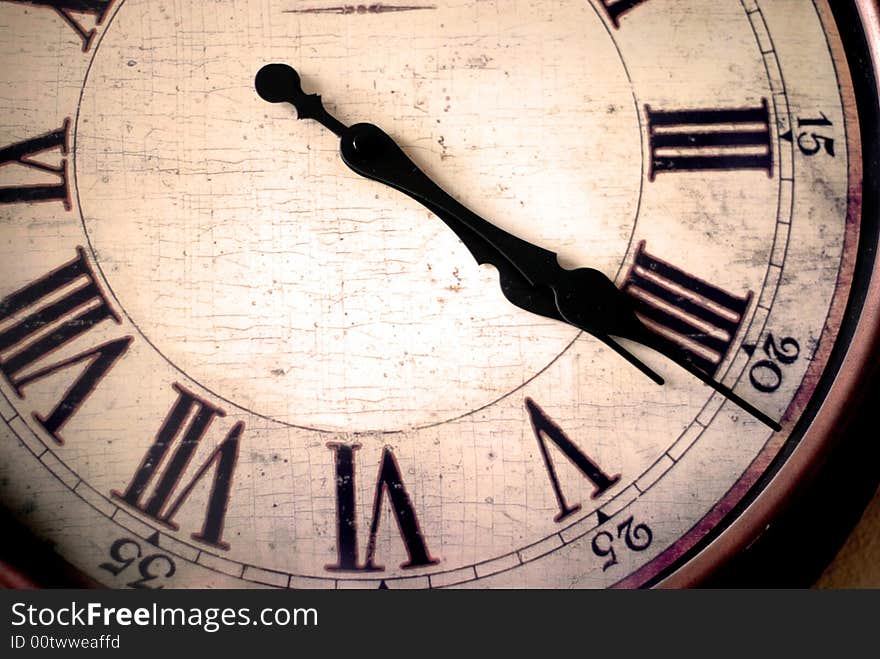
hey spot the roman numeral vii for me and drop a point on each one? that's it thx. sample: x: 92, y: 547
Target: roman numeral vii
x: 156, y: 489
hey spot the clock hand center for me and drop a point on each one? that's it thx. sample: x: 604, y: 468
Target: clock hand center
x: 585, y: 298
x: 529, y: 274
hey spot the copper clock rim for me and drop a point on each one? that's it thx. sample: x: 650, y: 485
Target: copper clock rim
x: 854, y: 370
x: 823, y: 433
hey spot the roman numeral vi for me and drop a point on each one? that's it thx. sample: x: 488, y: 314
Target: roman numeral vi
x: 388, y: 482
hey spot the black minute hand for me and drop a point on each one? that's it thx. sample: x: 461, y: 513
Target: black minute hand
x: 279, y: 83
x: 584, y: 297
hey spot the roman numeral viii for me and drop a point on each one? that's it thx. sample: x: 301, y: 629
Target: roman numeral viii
x: 47, y: 315
x: 545, y: 429
x: 68, y: 9
x: 685, y: 312
x: 707, y: 140
x: 388, y: 482
x: 163, y: 467
x: 23, y: 154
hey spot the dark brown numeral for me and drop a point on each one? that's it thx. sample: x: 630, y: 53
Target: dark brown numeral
x: 47, y: 314
x: 188, y: 421
x: 811, y: 143
x: 636, y: 538
x: 689, y: 313
x: 616, y: 8
x: 766, y: 375
x: 126, y: 551
x: 389, y: 482
x: 22, y: 153
x: 706, y: 140
x: 543, y: 427
x: 68, y: 9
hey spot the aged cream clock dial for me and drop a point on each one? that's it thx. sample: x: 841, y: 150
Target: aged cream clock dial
x: 615, y: 316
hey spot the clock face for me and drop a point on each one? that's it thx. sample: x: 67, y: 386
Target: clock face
x: 228, y: 361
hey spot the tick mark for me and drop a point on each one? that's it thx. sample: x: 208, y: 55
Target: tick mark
x: 376, y: 8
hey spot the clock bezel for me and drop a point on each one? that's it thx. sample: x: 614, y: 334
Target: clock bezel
x: 814, y: 446
x: 828, y: 421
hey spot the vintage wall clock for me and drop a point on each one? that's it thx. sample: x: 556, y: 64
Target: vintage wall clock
x: 231, y: 360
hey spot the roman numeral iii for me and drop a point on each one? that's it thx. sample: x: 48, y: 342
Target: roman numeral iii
x: 710, y: 140
x: 690, y: 313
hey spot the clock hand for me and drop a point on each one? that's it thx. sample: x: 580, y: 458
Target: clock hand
x: 517, y: 289
x: 372, y: 153
x: 278, y: 83
x: 585, y: 298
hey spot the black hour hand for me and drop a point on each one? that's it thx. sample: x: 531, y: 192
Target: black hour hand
x: 517, y: 289
x: 530, y: 275
x: 280, y: 83
x: 584, y: 297
x: 370, y: 152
